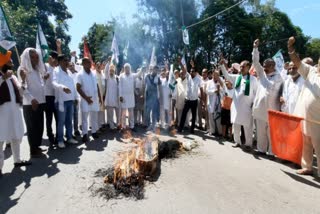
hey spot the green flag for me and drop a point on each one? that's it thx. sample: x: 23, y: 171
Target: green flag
x: 6, y: 39
x: 42, y: 44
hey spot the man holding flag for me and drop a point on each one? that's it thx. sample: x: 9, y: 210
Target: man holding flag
x: 308, y: 107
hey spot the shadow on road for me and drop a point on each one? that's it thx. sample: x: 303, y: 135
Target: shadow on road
x: 10, y: 184
x: 302, y: 179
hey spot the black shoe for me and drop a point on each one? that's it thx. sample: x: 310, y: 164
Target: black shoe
x: 85, y: 138
x: 41, y: 150
x: 192, y: 131
x: 37, y: 154
x: 22, y: 163
x: 134, y: 130
x: 77, y: 133
x: 8, y: 146
x: 95, y: 135
x: 236, y: 145
x: 247, y: 148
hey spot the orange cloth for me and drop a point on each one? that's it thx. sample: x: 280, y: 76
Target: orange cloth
x: 286, y: 136
x: 5, y: 58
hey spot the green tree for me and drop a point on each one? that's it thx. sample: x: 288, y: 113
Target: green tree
x: 23, y: 17
x: 313, y: 49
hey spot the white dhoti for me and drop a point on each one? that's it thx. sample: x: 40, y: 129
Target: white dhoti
x: 131, y: 117
x: 248, y: 132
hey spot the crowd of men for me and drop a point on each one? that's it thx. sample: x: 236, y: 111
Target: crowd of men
x: 95, y: 97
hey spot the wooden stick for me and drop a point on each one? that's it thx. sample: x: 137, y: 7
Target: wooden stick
x: 18, y: 56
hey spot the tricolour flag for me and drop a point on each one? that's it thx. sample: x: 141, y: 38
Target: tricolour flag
x: 41, y: 44
x: 172, y: 79
x: 278, y: 58
x: 125, y: 51
x: 153, y: 60
x: 115, y: 50
x: 286, y: 136
x: 6, y: 39
x: 185, y: 36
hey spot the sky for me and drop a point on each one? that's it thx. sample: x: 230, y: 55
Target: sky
x: 302, y: 13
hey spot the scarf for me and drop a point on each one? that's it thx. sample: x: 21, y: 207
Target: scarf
x: 247, y: 88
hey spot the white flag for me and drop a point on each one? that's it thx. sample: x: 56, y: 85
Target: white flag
x: 185, y: 36
x: 6, y: 39
x: 115, y: 50
x: 278, y: 58
x: 153, y: 60
x: 42, y: 45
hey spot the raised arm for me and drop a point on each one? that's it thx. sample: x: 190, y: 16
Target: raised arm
x: 258, y: 67
x: 303, y: 68
x: 230, y: 77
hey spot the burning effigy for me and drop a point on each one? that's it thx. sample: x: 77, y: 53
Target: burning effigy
x: 137, y: 165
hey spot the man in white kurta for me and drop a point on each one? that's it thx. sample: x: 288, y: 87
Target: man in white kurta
x: 180, y: 95
x: 102, y: 88
x: 212, y: 90
x: 291, y: 89
x: 126, y: 95
x: 88, y: 89
x: 65, y: 95
x: 112, y: 96
x: 241, y: 108
x: 11, y: 123
x: 139, y: 88
x: 165, y: 100
x: 308, y: 107
x: 31, y: 72
x: 267, y: 98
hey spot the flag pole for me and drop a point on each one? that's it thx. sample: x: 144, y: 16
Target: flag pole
x: 18, y: 56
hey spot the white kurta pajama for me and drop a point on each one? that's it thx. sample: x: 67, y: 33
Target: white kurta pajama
x: 165, y: 102
x: 180, y: 94
x: 241, y: 107
x: 290, y: 93
x: 112, y: 98
x: 126, y: 91
x: 11, y: 123
x: 267, y: 98
x: 89, y: 86
x: 213, y: 98
x: 308, y: 107
x: 102, y: 88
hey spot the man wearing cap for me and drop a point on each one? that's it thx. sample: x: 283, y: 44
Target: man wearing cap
x: 11, y: 123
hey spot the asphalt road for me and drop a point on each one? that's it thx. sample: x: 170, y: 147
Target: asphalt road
x: 213, y: 178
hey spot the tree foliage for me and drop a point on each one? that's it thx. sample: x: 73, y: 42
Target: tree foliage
x: 23, y: 17
x: 313, y: 49
x: 159, y: 23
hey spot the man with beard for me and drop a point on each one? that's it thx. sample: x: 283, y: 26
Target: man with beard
x: 308, y: 107
x: 291, y: 89
x: 152, y: 98
x: 126, y: 95
x: 241, y: 108
x: 31, y: 72
x: 267, y: 98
